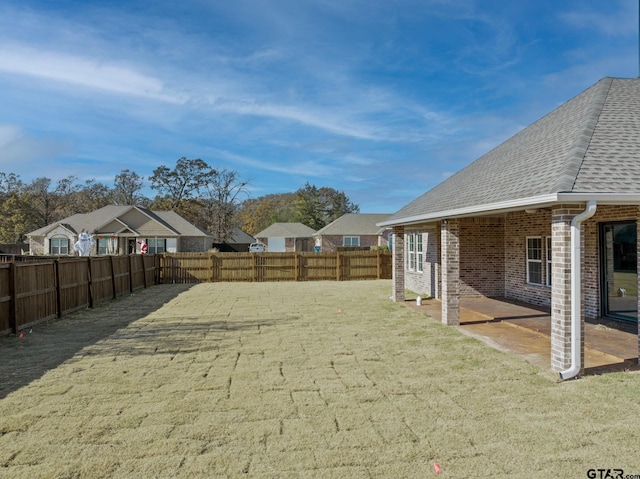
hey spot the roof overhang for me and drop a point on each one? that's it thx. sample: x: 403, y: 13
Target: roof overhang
x: 517, y: 205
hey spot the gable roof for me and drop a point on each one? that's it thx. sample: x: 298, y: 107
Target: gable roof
x: 158, y: 223
x: 239, y: 236
x: 286, y: 230
x: 354, y: 224
x: 587, y: 148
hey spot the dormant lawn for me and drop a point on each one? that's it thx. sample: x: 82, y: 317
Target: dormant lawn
x: 294, y: 380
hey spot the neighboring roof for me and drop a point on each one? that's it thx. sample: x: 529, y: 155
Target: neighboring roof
x: 165, y: 223
x: 178, y: 223
x: 590, y: 145
x: 354, y: 224
x: 240, y: 237
x: 286, y: 230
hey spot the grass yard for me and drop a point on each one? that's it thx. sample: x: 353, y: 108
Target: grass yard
x: 294, y: 380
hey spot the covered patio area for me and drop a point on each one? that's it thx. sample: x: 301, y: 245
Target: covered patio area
x: 524, y: 329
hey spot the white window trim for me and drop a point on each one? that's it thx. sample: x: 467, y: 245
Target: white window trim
x: 548, y: 252
x: 411, y: 239
x: 419, y: 253
x: 58, y: 239
x: 529, y: 261
x: 351, y: 238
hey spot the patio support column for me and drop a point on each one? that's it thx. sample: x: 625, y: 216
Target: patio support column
x: 561, y: 217
x: 450, y: 250
x: 398, y: 264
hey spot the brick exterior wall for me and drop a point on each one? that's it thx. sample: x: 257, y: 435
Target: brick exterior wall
x: 398, y: 264
x: 561, y: 278
x: 191, y: 244
x: 518, y: 227
x: 331, y: 242
x: 450, y: 236
x: 482, y: 257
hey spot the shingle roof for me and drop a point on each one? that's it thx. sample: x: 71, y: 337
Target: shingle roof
x: 166, y: 223
x: 286, y: 230
x: 354, y: 224
x: 590, y: 144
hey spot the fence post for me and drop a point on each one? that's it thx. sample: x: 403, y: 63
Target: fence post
x: 130, y: 273
x: 212, y: 258
x: 56, y: 267
x: 254, y: 276
x: 113, y: 277
x: 13, y: 302
x: 337, y: 265
x: 379, y: 266
x: 89, y: 282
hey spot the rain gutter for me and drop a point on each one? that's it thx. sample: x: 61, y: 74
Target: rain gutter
x: 576, y: 290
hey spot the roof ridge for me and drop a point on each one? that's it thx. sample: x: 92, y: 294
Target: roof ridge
x: 577, y: 153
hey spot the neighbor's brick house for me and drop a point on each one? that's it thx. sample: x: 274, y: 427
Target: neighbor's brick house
x: 119, y: 230
x: 353, y: 230
x: 502, y: 226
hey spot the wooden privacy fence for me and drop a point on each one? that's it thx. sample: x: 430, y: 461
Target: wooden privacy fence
x: 254, y: 267
x: 35, y: 291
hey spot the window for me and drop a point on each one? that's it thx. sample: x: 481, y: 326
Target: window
x: 108, y: 245
x: 419, y: 253
x: 59, y: 246
x: 548, y: 260
x: 534, y: 260
x: 156, y: 246
x: 412, y: 252
x: 351, y: 241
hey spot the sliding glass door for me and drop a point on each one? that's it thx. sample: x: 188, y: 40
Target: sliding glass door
x: 618, y: 250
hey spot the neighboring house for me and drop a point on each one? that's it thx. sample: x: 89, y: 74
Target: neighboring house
x: 119, y: 230
x: 353, y: 229
x: 281, y: 237
x: 239, y: 242
x: 555, y: 206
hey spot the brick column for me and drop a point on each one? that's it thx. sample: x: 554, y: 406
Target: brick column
x: 398, y: 264
x: 450, y: 261
x: 561, y: 287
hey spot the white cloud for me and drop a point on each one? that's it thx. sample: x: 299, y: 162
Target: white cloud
x: 86, y: 72
x: 619, y: 19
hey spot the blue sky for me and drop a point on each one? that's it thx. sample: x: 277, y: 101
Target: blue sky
x: 379, y: 99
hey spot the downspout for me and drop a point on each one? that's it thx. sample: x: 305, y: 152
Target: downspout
x: 576, y: 291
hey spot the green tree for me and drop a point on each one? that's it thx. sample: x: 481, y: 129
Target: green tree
x: 317, y: 207
x: 258, y: 213
x: 91, y: 196
x: 12, y: 209
x: 184, y: 182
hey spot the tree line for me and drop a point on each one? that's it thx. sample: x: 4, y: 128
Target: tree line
x: 215, y: 200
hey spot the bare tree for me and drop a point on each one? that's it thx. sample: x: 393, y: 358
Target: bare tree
x: 221, y: 203
x: 126, y: 188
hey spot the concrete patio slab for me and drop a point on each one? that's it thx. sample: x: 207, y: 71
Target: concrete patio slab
x: 525, y: 330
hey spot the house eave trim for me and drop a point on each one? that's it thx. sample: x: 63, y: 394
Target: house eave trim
x: 477, y: 210
x: 518, y: 205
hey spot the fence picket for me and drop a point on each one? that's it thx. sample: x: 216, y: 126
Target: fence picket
x: 260, y: 267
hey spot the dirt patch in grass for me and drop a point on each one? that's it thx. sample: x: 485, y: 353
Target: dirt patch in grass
x: 296, y: 380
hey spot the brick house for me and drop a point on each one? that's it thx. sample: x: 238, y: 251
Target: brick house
x: 548, y: 217
x: 353, y: 230
x: 118, y: 230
